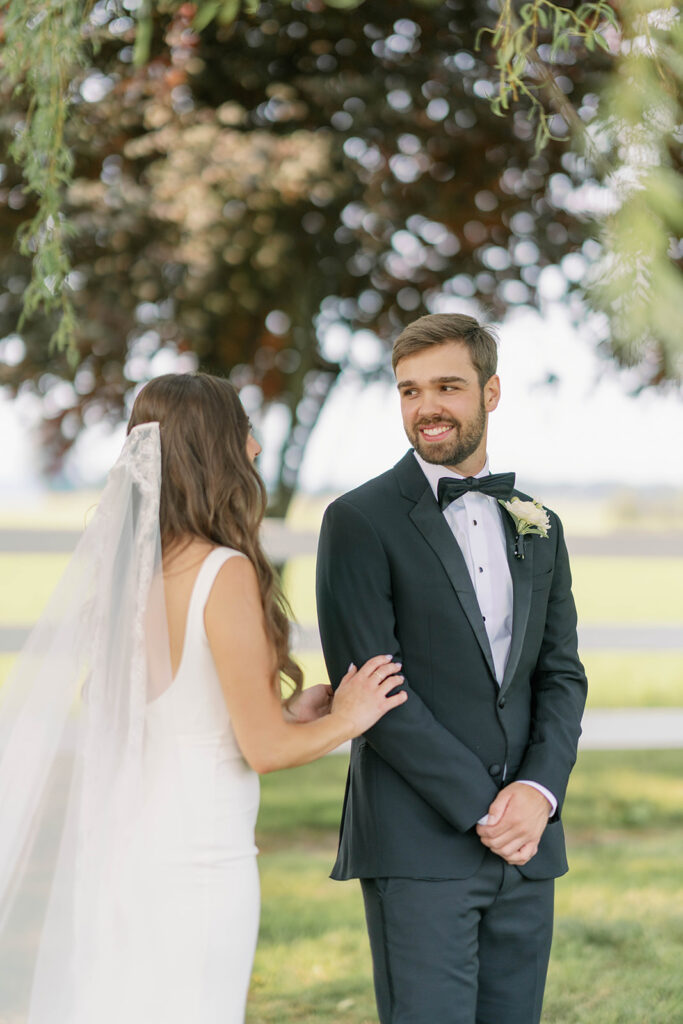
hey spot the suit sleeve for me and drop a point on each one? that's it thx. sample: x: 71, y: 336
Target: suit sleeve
x: 558, y: 687
x: 356, y: 616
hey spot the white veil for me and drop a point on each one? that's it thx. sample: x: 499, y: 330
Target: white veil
x: 72, y: 726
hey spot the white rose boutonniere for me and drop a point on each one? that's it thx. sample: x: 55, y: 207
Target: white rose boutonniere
x: 529, y: 517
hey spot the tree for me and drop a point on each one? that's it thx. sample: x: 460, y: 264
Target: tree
x: 251, y: 183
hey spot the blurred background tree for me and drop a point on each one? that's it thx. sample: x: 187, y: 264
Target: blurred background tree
x: 247, y: 180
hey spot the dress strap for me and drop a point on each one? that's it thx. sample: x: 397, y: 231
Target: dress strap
x: 205, y: 580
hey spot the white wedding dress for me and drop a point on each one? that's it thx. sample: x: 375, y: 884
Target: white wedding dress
x: 129, y: 891
x: 185, y: 887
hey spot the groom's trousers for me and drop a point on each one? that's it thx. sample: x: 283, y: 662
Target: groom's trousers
x: 460, y: 951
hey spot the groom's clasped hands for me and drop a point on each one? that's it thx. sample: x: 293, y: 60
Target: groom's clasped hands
x: 515, y: 823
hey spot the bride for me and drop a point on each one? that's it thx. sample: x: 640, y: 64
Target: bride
x: 144, y: 706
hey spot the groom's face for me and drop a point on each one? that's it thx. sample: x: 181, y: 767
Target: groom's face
x: 443, y: 405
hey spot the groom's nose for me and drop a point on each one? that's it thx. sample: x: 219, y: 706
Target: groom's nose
x: 429, y: 406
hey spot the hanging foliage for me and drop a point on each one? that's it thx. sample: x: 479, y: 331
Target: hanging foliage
x: 627, y: 139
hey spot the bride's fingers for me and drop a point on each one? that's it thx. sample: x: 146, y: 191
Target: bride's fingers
x: 380, y: 661
x: 386, y: 671
x: 391, y: 682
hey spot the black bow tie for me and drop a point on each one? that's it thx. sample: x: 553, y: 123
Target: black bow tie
x: 497, y: 485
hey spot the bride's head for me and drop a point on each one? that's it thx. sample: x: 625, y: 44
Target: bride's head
x: 209, y: 486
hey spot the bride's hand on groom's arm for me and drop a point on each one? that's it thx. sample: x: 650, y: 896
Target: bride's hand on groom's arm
x: 516, y: 821
x: 366, y: 694
x: 365, y: 705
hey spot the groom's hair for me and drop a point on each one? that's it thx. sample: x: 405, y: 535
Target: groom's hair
x: 437, y: 328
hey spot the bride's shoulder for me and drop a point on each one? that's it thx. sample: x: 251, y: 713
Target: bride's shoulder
x: 227, y: 551
x: 235, y: 595
x: 183, y: 564
x: 235, y: 565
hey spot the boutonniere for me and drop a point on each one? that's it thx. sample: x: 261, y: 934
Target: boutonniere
x: 529, y: 517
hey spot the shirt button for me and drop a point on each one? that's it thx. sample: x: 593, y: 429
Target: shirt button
x: 480, y: 569
x: 484, y: 618
x: 474, y: 522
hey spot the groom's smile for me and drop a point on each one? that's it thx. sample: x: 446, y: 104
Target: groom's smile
x: 435, y: 433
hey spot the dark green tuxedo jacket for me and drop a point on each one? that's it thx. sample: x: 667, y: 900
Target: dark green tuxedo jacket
x: 391, y: 579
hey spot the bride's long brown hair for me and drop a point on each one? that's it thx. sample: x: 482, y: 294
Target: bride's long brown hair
x: 209, y: 487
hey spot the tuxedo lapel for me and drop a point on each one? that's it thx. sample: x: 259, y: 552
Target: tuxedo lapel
x: 429, y: 520
x: 521, y: 571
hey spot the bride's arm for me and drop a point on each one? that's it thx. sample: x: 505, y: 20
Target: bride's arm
x: 246, y: 668
x: 309, y: 704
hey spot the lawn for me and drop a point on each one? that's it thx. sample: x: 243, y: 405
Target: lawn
x: 617, y: 678
x: 616, y: 956
x: 607, y: 590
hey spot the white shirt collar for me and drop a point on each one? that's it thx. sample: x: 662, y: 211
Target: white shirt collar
x: 435, y: 472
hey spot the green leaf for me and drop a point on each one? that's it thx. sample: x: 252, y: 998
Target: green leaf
x: 506, y: 53
x: 205, y: 14
x: 344, y: 4
x: 230, y: 9
x: 519, y: 65
x: 143, y: 39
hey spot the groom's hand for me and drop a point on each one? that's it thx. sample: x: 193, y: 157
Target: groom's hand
x: 516, y: 820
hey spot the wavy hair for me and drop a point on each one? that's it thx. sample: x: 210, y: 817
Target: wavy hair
x: 438, y: 328
x: 209, y: 487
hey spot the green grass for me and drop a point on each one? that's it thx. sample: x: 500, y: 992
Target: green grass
x: 606, y: 590
x: 616, y: 955
x: 615, y: 678
x: 299, y: 584
x: 634, y: 678
x: 619, y: 590
x: 628, y: 590
x: 26, y: 582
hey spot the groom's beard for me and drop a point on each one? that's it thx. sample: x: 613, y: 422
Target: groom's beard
x: 458, y: 447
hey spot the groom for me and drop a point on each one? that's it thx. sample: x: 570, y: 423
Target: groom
x: 451, y: 817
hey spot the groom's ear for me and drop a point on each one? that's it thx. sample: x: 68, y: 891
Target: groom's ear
x: 492, y: 393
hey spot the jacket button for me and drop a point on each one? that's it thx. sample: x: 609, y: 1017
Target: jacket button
x: 501, y: 702
x: 494, y: 769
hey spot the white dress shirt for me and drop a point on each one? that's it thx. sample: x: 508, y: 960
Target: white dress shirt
x: 476, y: 523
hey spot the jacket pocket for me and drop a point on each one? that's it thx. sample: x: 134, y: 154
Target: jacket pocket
x: 542, y: 580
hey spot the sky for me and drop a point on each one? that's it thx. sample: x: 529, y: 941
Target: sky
x: 586, y: 428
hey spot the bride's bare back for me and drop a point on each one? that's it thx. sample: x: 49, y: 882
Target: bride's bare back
x: 181, y: 568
